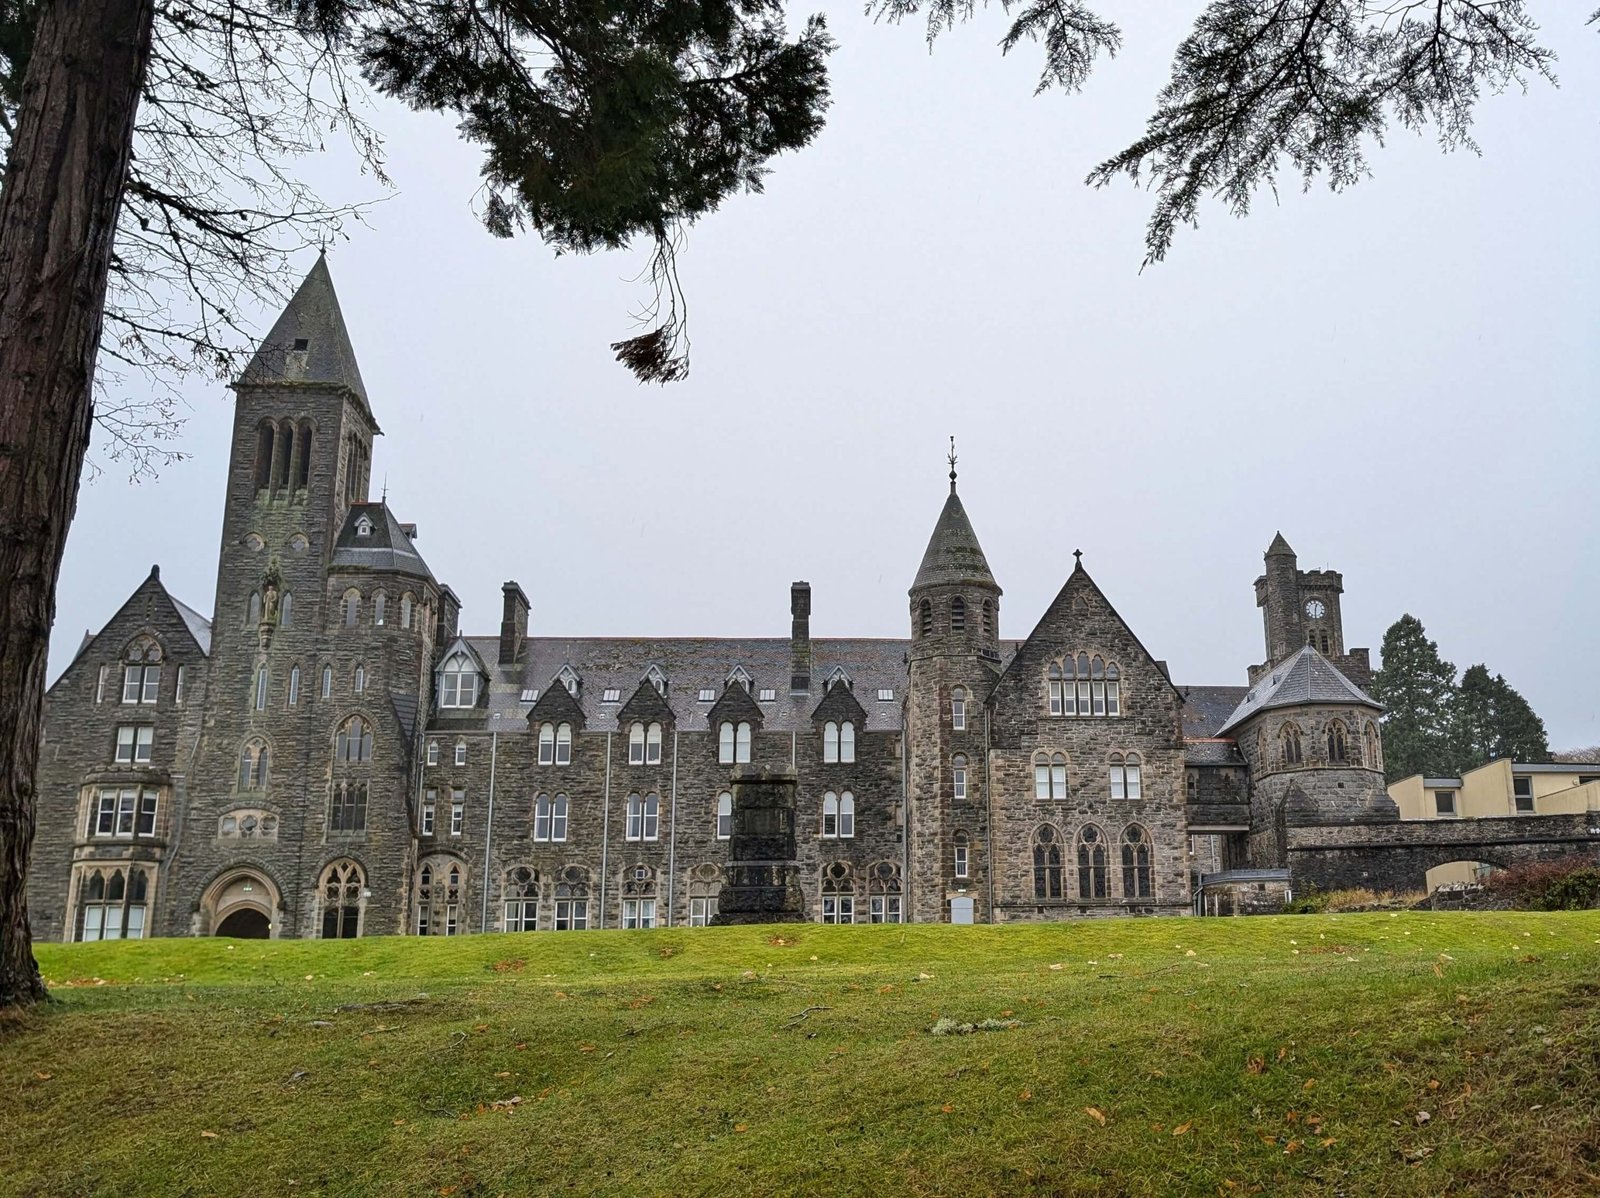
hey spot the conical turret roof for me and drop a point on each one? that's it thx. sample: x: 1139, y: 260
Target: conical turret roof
x: 1279, y: 547
x: 953, y: 554
x: 309, y: 343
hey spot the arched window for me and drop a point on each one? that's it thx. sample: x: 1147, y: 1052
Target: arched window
x: 522, y: 900
x: 1050, y: 776
x: 1126, y: 782
x: 111, y: 905
x: 838, y: 894
x: 550, y: 818
x: 327, y: 681
x: 705, y: 885
x: 342, y: 884
x: 958, y: 777
x: 958, y: 614
x: 380, y: 609
x: 988, y: 617
x: 253, y: 766
x: 1291, y: 745
x: 724, y: 815
x: 925, y: 617
x: 1374, y: 747
x: 847, y: 815
x: 547, y: 744
x: 433, y: 752
x: 405, y: 610
x: 960, y: 856
x: 285, y: 466
x: 461, y: 752
x: 360, y: 679
x: 253, y: 610
x: 439, y: 897
x: 352, y: 607
x: 458, y: 682
x: 265, y: 434
x: 644, y: 817
x: 294, y: 686
x: 830, y: 742
x: 1091, y: 863
x: 1060, y: 692
x: 572, y: 899
x: 1046, y: 863
x: 302, y: 475
x: 261, y: 688
x: 286, y: 611
x: 636, y: 744
x: 847, y: 741
x: 883, y: 893
x: 354, y: 742
x: 1337, y: 746
x: 652, y: 744
x: 725, y: 744
x: 838, y: 816
x: 639, y: 897
x: 1085, y: 686
x: 1135, y: 862
x: 733, y: 743
x: 958, y: 709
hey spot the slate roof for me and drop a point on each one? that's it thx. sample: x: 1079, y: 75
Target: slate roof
x: 1205, y: 708
x: 1307, y: 677
x: 1279, y: 547
x: 405, y: 710
x: 692, y: 664
x: 199, y: 627
x: 1212, y: 750
x: 953, y: 554
x: 386, y: 548
x: 313, y: 316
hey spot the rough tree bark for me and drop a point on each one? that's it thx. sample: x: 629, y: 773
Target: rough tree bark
x: 58, y: 213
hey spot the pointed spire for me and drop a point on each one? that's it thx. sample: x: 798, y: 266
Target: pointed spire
x: 309, y: 343
x: 953, y: 554
x: 1279, y: 547
x: 952, y: 464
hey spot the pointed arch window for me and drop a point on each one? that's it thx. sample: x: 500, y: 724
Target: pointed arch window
x: 725, y: 815
x: 1084, y: 686
x: 958, y: 777
x: 1374, y: 747
x: 253, y: 610
x: 1050, y: 776
x: 458, y: 682
x: 341, y: 894
x: 1135, y: 862
x: 354, y: 741
x: 1047, y: 863
x: 347, y: 813
x: 1091, y: 863
x: 1290, y: 739
x: 838, y: 894
x: 925, y: 617
x: 294, y: 686
x: 111, y: 905
x: 360, y: 679
x: 351, y: 607
x: 958, y: 614
x: 302, y: 474
x: 380, y: 609
x: 572, y: 899
x: 439, y: 898
x: 522, y: 900
x: 988, y: 617
x: 253, y: 766
x: 958, y: 709
x: 261, y: 688
x: 1338, y: 743
x: 286, y: 611
x: 327, y: 681
x: 405, y: 610
x: 1126, y: 776
x: 265, y: 435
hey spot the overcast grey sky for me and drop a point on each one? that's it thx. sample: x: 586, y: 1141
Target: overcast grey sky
x: 1402, y: 378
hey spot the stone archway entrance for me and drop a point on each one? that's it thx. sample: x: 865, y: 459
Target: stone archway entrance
x: 245, y: 923
x: 242, y: 903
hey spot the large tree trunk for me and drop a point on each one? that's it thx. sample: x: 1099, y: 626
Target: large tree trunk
x: 58, y: 213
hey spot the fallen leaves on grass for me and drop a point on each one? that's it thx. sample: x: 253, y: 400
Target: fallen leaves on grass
x: 508, y: 966
x: 1183, y: 1128
x: 1096, y: 1114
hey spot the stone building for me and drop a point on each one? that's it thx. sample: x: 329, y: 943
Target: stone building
x: 332, y: 756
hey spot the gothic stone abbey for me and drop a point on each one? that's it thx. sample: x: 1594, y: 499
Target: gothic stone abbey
x: 330, y: 755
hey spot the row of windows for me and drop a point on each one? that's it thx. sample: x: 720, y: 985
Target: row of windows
x: 283, y: 455
x: 128, y: 811
x: 261, y: 684
x: 411, y: 613
x: 141, y: 675
x: 1084, y: 686
x: 1093, y: 864
x: 1339, y: 745
x: 644, y: 744
x: 642, y: 818
x: 958, y: 616
x: 1050, y: 776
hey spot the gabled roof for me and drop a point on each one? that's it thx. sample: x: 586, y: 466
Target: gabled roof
x: 387, y: 547
x: 196, y: 625
x: 1207, y: 708
x: 840, y: 703
x: 953, y: 554
x: 312, y: 316
x: 735, y: 703
x: 645, y: 705
x: 556, y: 703
x: 1307, y: 677
x: 463, y: 646
x: 199, y: 627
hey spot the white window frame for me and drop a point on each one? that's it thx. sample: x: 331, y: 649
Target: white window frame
x: 847, y: 742
x: 958, y: 777
x: 830, y: 743
x: 638, y: 913
x: 958, y: 709
x: 725, y: 815
x: 547, y: 744
x: 961, y: 862
x: 433, y: 752
x: 571, y: 915
x: 458, y: 683
x: 885, y: 908
x: 135, y: 744
x: 636, y: 744
x: 701, y: 908
x: 294, y: 686
x: 838, y: 908
x: 430, y: 807
x: 563, y: 744
x: 461, y: 753
x: 741, y: 743
x: 458, y: 812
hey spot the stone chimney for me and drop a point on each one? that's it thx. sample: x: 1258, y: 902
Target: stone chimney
x: 800, y: 639
x: 513, y: 624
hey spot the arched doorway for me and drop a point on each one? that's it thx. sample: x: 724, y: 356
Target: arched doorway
x: 1458, y: 875
x: 242, y: 903
x: 245, y: 923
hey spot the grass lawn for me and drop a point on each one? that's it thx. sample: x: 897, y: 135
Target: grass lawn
x: 1418, y: 1054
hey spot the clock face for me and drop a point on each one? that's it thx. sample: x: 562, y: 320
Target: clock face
x: 1316, y: 609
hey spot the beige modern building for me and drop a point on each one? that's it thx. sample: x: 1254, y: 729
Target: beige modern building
x: 1498, y: 789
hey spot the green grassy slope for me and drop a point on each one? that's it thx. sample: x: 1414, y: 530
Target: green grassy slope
x: 1357, y: 1054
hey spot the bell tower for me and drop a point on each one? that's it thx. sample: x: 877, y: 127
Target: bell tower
x: 953, y: 661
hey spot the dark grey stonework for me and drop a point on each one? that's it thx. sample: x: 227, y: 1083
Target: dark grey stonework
x: 763, y: 882
x: 579, y: 781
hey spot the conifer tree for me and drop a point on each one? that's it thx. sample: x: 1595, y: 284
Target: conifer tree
x: 1418, y: 691
x: 1493, y: 721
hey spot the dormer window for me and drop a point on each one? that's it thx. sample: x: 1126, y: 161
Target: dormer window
x: 458, y: 682
x: 569, y: 679
x: 612, y: 695
x: 741, y: 676
x: 363, y: 527
x: 835, y: 676
x: 656, y: 678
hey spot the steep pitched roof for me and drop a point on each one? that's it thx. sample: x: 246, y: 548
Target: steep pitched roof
x: 953, y: 554
x: 387, y: 547
x: 840, y: 703
x: 1307, y: 677
x: 312, y: 316
x: 645, y: 705
x: 735, y: 703
x: 1206, y: 708
x: 1279, y: 547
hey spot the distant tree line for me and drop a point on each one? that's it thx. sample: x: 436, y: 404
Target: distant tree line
x: 1440, y: 727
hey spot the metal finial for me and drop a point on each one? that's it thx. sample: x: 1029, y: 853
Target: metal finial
x: 385, y: 488
x: 952, y: 463
x: 1078, y: 556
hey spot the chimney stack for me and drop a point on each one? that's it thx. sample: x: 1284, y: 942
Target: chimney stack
x: 513, y: 624
x: 800, y: 639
